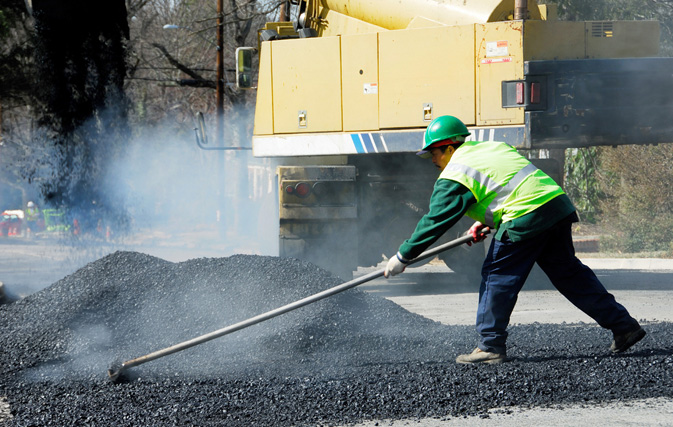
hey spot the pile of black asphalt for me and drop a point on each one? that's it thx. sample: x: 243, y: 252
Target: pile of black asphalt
x: 349, y: 358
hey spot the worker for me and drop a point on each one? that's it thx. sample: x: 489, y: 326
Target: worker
x: 531, y: 217
x: 32, y: 217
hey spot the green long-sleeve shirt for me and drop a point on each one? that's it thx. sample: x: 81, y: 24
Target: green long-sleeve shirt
x: 449, y: 203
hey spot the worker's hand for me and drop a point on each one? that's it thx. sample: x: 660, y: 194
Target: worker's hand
x: 396, y: 265
x: 477, y: 232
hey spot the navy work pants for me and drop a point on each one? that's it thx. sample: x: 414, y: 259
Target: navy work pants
x: 507, y: 266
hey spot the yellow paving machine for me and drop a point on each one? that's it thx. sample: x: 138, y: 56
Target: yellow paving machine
x: 345, y: 89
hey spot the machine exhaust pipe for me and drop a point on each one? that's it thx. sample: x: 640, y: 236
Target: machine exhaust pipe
x: 520, y: 9
x: 284, y: 11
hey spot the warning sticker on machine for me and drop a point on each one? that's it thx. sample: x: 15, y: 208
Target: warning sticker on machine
x: 370, y: 88
x: 498, y: 48
x: 496, y: 60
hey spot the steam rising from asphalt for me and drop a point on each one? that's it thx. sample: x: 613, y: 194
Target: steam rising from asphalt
x: 171, y: 188
x: 181, y: 202
x: 127, y: 304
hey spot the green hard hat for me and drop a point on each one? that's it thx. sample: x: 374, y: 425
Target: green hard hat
x: 441, y: 129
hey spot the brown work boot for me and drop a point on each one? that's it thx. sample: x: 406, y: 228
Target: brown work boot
x: 624, y: 341
x: 481, y: 356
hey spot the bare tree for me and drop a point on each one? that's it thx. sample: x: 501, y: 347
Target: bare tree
x: 17, y: 81
x: 173, y: 62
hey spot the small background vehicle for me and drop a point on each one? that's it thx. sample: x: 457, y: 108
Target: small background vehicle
x: 11, y: 223
x: 55, y: 221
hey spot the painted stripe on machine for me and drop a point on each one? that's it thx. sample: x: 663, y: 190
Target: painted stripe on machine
x: 357, y: 143
x: 369, y: 144
x: 383, y: 142
x: 322, y: 144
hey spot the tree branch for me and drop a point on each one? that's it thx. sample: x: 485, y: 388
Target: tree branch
x: 196, y: 79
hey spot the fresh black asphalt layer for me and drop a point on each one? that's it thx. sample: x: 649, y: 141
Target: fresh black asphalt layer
x: 349, y: 358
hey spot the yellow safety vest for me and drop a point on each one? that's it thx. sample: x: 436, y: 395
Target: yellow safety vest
x: 32, y: 214
x: 505, y: 184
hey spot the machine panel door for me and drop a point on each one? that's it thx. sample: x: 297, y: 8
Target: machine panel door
x: 306, y: 85
x: 360, y: 78
x: 499, y: 58
x: 622, y: 39
x: 426, y: 73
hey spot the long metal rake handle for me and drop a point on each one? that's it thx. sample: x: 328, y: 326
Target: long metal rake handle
x: 281, y: 310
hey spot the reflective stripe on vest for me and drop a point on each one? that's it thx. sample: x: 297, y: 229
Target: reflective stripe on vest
x: 502, y: 192
x: 505, y: 184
